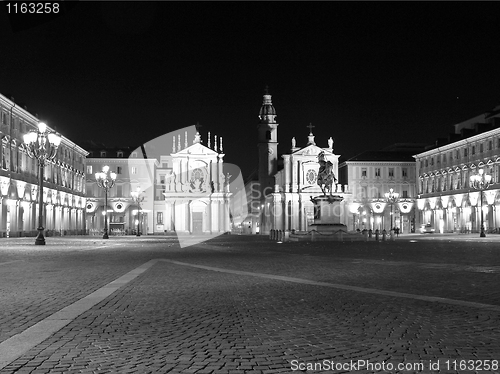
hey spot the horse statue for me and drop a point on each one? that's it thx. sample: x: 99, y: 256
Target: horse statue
x: 326, y: 176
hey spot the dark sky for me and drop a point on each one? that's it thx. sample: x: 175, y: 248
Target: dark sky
x: 368, y: 74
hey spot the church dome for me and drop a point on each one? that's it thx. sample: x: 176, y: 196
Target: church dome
x: 267, y: 112
x: 267, y: 107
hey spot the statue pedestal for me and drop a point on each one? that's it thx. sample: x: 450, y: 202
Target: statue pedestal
x: 327, y: 224
x: 327, y: 213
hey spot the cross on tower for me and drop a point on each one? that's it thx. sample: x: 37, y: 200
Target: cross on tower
x: 310, y: 127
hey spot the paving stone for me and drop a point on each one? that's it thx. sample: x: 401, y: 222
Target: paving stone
x: 180, y: 319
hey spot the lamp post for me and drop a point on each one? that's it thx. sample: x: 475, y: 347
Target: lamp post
x: 138, y: 199
x: 391, y: 197
x: 105, y: 180
x: 41, y: 145
x: 481, y: 182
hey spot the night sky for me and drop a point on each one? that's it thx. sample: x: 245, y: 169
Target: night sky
x: 368, y: 74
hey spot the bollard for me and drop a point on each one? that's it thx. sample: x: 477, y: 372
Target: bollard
x: 376, y: 234
x: 274, y: 234
x: 384, y: 234
x: 280, y: 238
x: 271, y: 234
x: 366, y: 236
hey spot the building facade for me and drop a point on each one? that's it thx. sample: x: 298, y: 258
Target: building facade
x: 63, y: 183
x: 133, y: 173
x: 446, y: 198
x: 372, y: 174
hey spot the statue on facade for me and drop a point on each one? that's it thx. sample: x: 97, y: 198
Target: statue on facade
x: 326, y: 176
x: 294, y: 143
x: 330, y: 143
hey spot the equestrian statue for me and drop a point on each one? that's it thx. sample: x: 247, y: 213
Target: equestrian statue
x: 326, y: 176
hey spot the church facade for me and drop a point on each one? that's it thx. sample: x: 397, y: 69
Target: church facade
x: 285, y: 195
x: 194, y: 196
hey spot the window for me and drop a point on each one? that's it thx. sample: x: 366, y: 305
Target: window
x: 118, y: 170
x: 377, y: 172
x: 481, y: 148
x: 134, y: 170
x: 103, y: 153
x: 391, y: 172
x: 405, y: 194
x: 490, y: 145
x: 405, y: 172
x: 159, y: 218
x: 363, y: 172
x: 89, y: 169
x: 119, y: 154
x: 426, y: 163
x: 134, y: 154
x: 465, y: 152
x: 457, y: 154
x: 473, y: 149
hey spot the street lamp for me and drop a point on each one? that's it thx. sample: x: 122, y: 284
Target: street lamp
x: 481, y: 182
x: 41, y: 144
x: 138, y: 199
x: 105, y: 180
x: 391, y: 197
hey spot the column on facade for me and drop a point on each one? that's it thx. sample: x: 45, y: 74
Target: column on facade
x: 286, y: 212
x: 294, y: 212
x: 215, y: 214
x: 2, y: 213
x: 277, y: 214
x: 172, y: 216
x: 294, y: 176
x: 209, y: 215
x: 302, y: 214
x: 287, y: 172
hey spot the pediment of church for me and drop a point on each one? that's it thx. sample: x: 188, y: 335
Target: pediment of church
x: 196, y: 149
x: 311, y: 150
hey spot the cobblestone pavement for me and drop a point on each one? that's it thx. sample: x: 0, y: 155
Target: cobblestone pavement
x: 178, y: 318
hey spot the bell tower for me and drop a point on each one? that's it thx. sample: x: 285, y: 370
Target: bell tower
x: 268, y: 145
